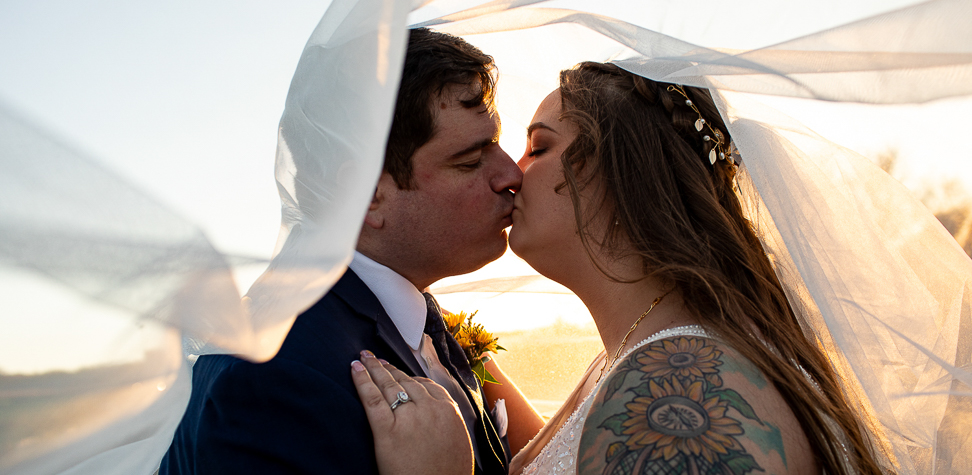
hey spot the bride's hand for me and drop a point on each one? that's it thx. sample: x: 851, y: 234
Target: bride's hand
x: 424, y: 435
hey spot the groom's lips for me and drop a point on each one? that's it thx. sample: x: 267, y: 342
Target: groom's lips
x: 507, y: 220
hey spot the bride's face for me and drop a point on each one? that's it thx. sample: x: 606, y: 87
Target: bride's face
x: 544, y: 228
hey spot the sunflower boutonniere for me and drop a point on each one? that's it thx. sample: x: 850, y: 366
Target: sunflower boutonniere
x: 475, y: 341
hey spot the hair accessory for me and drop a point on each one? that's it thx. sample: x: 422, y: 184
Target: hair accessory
x: 718, y: 151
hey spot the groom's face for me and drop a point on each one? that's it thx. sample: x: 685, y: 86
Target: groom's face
x: 454, y: 219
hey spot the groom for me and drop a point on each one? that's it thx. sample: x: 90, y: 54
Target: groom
x: 440, y: 208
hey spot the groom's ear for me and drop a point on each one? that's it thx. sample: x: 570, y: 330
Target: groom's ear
x: 375, y: 218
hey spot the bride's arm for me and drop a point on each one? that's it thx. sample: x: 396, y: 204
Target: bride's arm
x: 524, y: 421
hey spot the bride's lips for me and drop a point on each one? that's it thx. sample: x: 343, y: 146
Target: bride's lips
x: 514, y: 210
x: 508, y: 218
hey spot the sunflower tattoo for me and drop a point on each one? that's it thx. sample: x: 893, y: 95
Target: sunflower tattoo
x: 675, y: 420
x: 678, y: 417
x: 685, y: 358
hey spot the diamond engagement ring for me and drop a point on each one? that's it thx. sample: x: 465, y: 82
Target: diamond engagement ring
x: 402, y: 399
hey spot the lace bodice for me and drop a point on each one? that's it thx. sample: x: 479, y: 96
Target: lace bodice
x: 559, y: 456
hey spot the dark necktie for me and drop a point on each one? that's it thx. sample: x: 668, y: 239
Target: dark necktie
x: 449, y: 350
x: 451, y: 358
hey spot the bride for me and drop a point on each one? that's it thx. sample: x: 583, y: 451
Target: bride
x: 629, y: 200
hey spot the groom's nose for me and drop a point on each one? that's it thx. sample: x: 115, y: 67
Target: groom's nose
x: 509, y: 177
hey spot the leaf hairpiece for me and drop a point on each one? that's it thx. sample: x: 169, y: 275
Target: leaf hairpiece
x: 718, y: 151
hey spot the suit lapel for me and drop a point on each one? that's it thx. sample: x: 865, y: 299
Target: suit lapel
x: 353, y: 291
x: 388, y: 332
x: 362, y: 300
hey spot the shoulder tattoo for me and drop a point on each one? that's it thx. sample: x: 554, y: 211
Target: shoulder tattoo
x: 665, y: 410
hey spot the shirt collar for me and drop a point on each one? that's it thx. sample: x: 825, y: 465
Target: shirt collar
x: 403, y: 303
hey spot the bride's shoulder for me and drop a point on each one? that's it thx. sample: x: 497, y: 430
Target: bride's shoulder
x: 690, y: 404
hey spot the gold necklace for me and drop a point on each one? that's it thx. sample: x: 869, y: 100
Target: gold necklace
x: 617, y: 354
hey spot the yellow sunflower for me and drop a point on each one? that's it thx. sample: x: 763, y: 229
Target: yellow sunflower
x: 453, y: 320
x: 686, y: 358
x: 675, y: 419
x: 476, y: 340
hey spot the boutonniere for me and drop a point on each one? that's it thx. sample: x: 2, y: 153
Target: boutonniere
x: 475, y: 341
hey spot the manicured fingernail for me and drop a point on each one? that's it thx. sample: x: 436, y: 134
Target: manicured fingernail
x: 367, y: 354
x: 382, y: 361
x: 357, y: 366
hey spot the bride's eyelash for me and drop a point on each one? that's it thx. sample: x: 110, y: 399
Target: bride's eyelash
x: 534, y: 153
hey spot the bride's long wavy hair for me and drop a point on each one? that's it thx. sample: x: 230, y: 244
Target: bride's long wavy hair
x: 638, y: 140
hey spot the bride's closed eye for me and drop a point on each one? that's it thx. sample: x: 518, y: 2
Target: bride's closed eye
x: 536, y: 152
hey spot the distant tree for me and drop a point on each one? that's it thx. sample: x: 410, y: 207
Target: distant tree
x: 948, y: 200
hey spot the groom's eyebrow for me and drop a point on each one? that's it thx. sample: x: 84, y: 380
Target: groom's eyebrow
x: 476, y: 146
x: 480, y: 144
x: 538, y: 125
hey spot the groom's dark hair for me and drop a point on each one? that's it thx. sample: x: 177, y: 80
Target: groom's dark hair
x: 433, y: 62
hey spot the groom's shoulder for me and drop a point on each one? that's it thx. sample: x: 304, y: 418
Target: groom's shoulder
x: 313, y: 348
x: 246, y: 416
x: 239, y: 390
x: 213, y: 375
x: 335, y: 314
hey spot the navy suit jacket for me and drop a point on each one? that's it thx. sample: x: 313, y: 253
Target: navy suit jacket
x: 299, y: 412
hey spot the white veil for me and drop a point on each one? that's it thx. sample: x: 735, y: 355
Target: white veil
x: 885, y: 288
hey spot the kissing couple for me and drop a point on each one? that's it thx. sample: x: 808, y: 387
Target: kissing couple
x: 626, y: 194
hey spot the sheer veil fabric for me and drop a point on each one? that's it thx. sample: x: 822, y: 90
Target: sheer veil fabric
x: 878, y: 282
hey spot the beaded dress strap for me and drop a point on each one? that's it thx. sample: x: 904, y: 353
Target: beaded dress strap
x: 684, y: 330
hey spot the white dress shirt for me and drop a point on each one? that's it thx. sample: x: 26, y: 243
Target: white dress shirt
x: 403, y: 303
x: 406, y: 307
